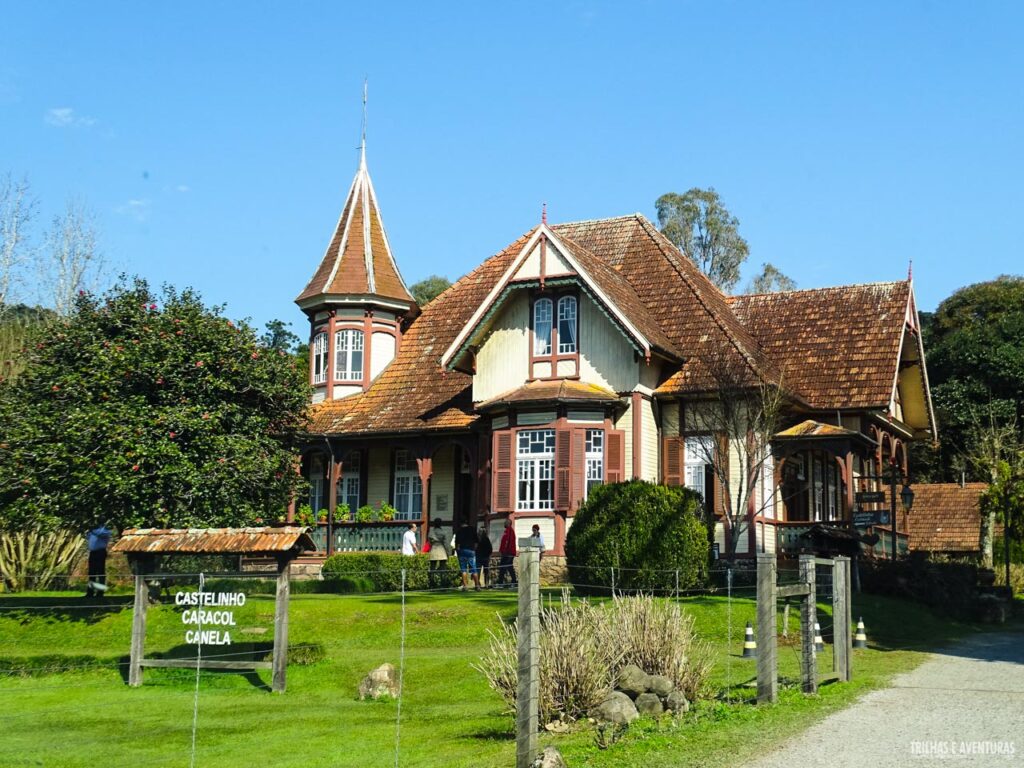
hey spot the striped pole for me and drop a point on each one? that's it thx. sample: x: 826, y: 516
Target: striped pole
x: 749, y: 644
x: 860, y: 640
x: 819, y: 644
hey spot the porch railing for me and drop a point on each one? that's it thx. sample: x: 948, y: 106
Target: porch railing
x: 368, y: 538
x: 788, y: 539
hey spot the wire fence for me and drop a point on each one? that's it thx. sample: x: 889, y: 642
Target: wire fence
x: 64, y: 666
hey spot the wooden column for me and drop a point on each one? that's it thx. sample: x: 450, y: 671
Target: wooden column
x: 842, y: 647
x: 426, y: 470
x: 767, y: 666
x: 808, y: 656
x: 138, y: 647
x: 333, y: 475
x: 528, y: 684
x: 280, y: 657
x: 331, y: 327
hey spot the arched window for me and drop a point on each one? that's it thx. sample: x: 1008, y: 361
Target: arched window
x: 567, y: 325
x: 542, y: 327
x: 320, y: 358
x: 348, y: 355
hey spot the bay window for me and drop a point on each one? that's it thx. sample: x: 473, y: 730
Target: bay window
x: 535, y: 469
x: 348, y: 355
x: 408, y: 488
x: 349, y: 482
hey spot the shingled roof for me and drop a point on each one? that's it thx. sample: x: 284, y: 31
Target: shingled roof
x: 946, y: 517
x: 838, y: 347
x: 358, y: 260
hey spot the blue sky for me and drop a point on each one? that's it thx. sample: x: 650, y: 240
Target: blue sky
x: 216, y: 140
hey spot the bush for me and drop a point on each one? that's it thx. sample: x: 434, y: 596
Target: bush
x: 334, y: 585
x: 946, y: 586
x: 646, y: 531
x: 583, y: 647
x: 384, y: 569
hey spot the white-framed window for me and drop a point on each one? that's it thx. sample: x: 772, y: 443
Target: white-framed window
x: 819, y: 490
x: 542, y: 327
x: 317, y: 483
x: 348, y: 483
x: 408, y: 491
x: 832, y: 489
x: 595, y: 459
x: 348, y: 355
x: 698, y: 454
x: 320, y: 358
x: 535, y: 469
x: 567, y: 325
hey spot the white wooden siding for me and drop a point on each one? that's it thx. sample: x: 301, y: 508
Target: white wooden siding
x: 649, y: 442
x: 382, y: 353
x: 606, y: 357
x: 343, y: 390
x: 554, y: 264
x: 625, y: 423
x: 502, y: 360
x: 378, y: 476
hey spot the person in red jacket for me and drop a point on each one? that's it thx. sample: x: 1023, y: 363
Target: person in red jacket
x: 507, y: 550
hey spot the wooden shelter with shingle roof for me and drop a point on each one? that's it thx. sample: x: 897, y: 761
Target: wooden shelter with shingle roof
x: 572, y: 357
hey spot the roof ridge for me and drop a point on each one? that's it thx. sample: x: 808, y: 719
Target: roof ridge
x: 733, y: 297
x: 623, y: 217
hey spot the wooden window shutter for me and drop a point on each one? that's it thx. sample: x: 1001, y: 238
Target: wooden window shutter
x: 579, y: 466
x: 563, y: 467
x: 673, y: 454
x: 721, y: 465
x: 502, y: 464
x: 615, y: 457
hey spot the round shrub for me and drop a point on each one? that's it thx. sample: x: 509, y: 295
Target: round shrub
x: 646, y: 532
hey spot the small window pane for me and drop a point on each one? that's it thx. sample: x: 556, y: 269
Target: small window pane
x: 566, y: 325
x: 542, y: 327
x: 320, y: 358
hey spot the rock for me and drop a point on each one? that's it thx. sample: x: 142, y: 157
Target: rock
x: 618, y: 708
x: 550, y: 758
x: 676, y: 702
x: 659, y: 685
x: 649, y: 704
x: 557, y: 726
x: 632, y: 680
x: 381, y: 682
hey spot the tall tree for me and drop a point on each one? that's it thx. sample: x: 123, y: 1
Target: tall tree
x: 278, y: 336
x: 69, y: 262
x: 17, y: 208
x: 703, y: 229
x: 429, y: 288
x: 148, y: 410
x: 771, y: 280
x: 975, y: 347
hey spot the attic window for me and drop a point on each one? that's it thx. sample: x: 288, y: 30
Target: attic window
x: 542, y: 327
x: 567, y: 325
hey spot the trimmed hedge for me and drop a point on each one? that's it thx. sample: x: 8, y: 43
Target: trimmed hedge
x: 384, y: 570
x: 945, y: 586
x: 329, y: 586
x: 646, y: 531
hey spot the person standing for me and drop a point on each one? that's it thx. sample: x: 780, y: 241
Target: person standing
x: 465, y: 549
x: 537, y: 540
x: 484, y: 548
x: 409, y: 540
x: 438, y: 555
x: 98, y: 539
x: 507, y: 551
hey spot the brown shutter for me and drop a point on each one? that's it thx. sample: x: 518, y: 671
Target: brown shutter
x: 721, y: 465
x: 563, y: 467
x: 615, y: 457
x: 673, y: 454
x: 579, y: 466
x: 502, y: 472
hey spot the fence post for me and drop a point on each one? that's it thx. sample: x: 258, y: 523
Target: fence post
x: 808, y: 656
x: 280, y: 657
x: 139, y: 608
x: 841, y: 615
x: 767, y: 669
x: 528, y: 683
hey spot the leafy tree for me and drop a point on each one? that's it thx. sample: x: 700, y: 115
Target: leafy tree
x: 771, y: 280
x: 702, y: 228
x: 1004, y: 501
x: 17, y: 323
x: 279, y: 336
x: 429, y: 288
x: 975, y: 347
x: 147, y: 410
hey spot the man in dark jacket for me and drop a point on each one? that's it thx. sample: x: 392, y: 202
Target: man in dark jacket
x: 465, y: 548
x: 483, y: 557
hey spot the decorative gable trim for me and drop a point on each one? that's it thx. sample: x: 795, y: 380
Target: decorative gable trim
x: 456, y: 349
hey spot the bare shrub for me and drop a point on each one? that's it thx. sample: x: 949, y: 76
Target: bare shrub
x: 583, y: 646
x: 658, y: 637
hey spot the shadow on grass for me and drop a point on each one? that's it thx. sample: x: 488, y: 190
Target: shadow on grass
x: 88, y: 610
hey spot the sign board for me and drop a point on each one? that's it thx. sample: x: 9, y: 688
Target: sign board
x: 865, y: 519
x: 208, y: 621
x: 870, y: 497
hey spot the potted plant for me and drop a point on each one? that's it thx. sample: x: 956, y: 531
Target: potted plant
x: 304, y: 515
x: 341, y: 512
x: 387, y: 512
x: 321, y: 516
x: 365, y: 514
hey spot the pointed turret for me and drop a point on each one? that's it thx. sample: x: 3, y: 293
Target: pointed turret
x: 356, y: 301
x: 358, y: 261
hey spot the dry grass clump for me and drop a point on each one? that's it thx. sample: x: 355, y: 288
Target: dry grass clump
x: 583, y: 647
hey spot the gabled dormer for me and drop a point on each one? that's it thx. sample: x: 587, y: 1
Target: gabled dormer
x: 356, y: 300
x: 559, y: 312
x: 911, y: 401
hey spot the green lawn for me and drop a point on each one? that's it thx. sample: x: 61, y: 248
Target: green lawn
x: 66, y: 715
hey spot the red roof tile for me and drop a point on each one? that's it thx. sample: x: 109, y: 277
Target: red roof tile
x: 946, y: 517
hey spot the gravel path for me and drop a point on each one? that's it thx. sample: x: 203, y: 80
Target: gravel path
x: 961, y: 707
